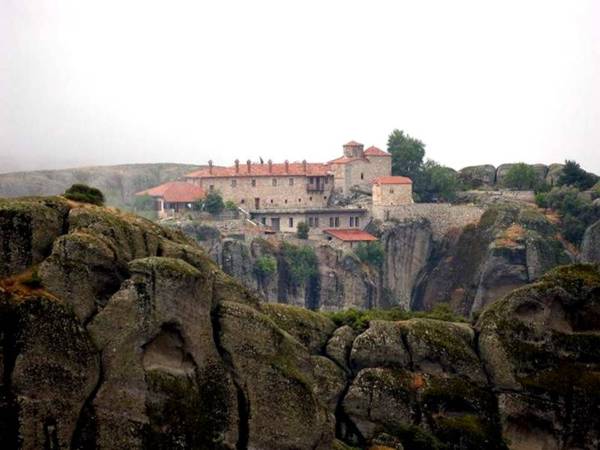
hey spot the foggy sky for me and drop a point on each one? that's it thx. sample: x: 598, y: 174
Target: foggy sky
x: 108, y: 82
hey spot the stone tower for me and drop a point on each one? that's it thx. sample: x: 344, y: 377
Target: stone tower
x: 354, y: 150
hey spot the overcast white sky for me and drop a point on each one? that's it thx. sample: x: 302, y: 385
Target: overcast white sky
x: 117, y: 81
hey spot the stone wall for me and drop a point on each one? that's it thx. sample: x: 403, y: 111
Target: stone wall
x: 392, y: 194
x: 288, y: 192
x: 442, y: 216
x: 361, y: 173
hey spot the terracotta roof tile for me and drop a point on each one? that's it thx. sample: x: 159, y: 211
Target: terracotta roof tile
x: 350, y: 235
x: 392, y: 180
x: 346, y: 160
x: 374, y: 151
x: 175, y: 192
x: 262, y: 170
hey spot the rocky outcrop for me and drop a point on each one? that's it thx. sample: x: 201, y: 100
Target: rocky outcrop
x: 177, y: 354
x: 407, y: 247
x: 590, y: 247
x: 540, y: 347
x: 541, y: 171
x: 510, y: 247
x: 479, y: 175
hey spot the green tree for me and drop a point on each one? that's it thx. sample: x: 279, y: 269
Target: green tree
x: 407, y: 154
x: 143, y: 203
x: 438, y: 182
x: 573, y: 175
x: 370, y: 253
x: 521, y: 176
x: 213, y: 203
x: 265, y: 266
x: 230, y: 205
x: 302, y: 230
x: 86, y: 194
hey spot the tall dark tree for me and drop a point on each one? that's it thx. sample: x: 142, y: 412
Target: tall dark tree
x: 574, y: 175
x: 407, y: 154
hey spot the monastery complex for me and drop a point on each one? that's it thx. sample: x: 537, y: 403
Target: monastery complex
x: 280, y: 195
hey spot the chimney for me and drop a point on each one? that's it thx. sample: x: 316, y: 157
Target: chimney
x: 270, y: 163
x: 304, y: 165
x: 237, y: 166
x: 248, y: 165
x: 287, y: 166
x: 210, y: 166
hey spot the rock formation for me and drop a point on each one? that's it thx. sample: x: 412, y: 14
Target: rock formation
x: 590, y: 247
x: 163, y: 350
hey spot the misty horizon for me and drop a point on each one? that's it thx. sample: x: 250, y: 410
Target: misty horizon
x: 111, y: 83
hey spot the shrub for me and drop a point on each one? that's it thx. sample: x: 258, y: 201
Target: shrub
x: 265, y: 266
x: 230, y: 205
x: 213, y: 203
x: 359, y: 320
x: 573, y: 175
x: 85, y: 194
x: 302, y: 263
x: 371, y: 253
x: 521, y: 176
x: 143, y: 203
x: 302, y: 230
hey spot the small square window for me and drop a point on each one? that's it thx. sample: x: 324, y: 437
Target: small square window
x: 253, y: 183
x: 285, y: 201
x: 271, y: 200
x: 325, y: 197
x: 362, y: 176
x: 310, y: 222
x: 391, y: 191
x: 299, y: 200
x: 274, y: 181
x: 233, y: 183
x: 291, y: 181
x: 243, y: 201
x: 310, y: 198
x: 211, y: 187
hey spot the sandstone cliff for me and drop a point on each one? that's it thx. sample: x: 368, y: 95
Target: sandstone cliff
x: 117, y: 333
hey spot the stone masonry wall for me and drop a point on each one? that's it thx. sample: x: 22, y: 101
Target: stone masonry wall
x: 442, y: 216
x: 282, y: 195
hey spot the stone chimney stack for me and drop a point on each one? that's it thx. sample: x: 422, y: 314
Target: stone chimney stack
x: 270, y: 163
x: 210, y: 164
x: 248, y: 163
x: 287, y: 166
x: 304, y: 165
x: 237, y: 166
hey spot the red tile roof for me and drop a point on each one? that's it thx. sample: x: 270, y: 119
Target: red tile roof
x: 175, y: 192
x: 374, y: 151
x: 350, y: 235
x: 352, y: 143
x: 392, y: 180
x: 262, y: 170
x: 346, y: 160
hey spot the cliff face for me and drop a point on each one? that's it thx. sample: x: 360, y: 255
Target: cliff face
x: 510, y: 247
x: 116, y: 333
x: 590, y: 247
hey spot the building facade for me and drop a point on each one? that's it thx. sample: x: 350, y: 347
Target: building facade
x: 318, y: 219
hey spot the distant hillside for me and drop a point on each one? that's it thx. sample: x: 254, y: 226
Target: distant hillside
x: 118, y: 183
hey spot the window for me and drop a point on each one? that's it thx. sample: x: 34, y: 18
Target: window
x: 331, y: 222
x: 310, y: 198
x: 337, y: 222
x: 356, y: 222
x: 291, y: 181
x: 253, y: 183
x: 351, y: 221
x: 233, y: 183
x: 326, y: 181
x: 311, y: 222
x: 299, y: 200
x: 274, y: 181
x: 311, y: 180
x: 325, y: 198
x: 362, y: 176
x: 271, y: 200
x: 391, y: 191
x: 243, y: 201
x: 211, y: 187
x: 316, y: 222
x: 264, y: 220
x: 291, y: 222
x: 285, y: 201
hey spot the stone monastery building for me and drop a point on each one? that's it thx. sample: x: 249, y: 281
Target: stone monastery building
x: 280, y: 195
x: 295, y: 185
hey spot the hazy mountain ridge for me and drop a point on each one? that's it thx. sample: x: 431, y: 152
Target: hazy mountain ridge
x: 118, y: 183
